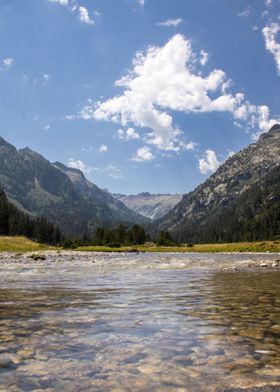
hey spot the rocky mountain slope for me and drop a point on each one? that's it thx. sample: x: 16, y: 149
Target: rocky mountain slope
x: 150, y: 205
x: 223, y: 194
x: 61, y: 194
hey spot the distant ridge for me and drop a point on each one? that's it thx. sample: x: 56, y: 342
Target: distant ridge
x: 152, y: 206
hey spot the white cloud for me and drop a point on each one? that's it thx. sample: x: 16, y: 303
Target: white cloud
x: 83, y: 13
x: 46, y: 127
x: 129, y: 134
x: 110, y: 170
x: 143, y: 154
x: 8, y: 62
x: 272, y: 45
x: 166, y: 79
x: 61, y: 2
x: 268, y: 3
x: 245, y: 13
x: 103, y: 148
x: 80, y: 165
x: 210, y: 163
x: 132, y: 134
x: 171, y: 22
x: 190, y: 146
x: 204, y: 57
x: 84, y: 16
x: 141, y: 2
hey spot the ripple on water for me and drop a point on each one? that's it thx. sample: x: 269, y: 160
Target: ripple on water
x: 83, y: 326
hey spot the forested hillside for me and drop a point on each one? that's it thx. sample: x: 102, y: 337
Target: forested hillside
x: 239, y: 202
x: 15, y: 222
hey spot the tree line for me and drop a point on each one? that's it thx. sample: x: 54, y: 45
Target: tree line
x: 121, y: 236
x: 15, y: 222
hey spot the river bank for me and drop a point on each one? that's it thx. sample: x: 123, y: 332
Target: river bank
x: 22, y: 244
x: 227, y: 261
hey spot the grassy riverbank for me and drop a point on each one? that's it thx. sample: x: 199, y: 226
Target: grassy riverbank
x: 265, y: 246
x: 22, y: 244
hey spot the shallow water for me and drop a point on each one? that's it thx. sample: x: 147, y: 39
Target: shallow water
x: 138, y: 323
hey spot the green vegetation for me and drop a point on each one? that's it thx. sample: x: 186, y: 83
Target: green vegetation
x: 254, y: 215
x: 20, y: 244
x: 112, y: 238
x: 265, y: 246
x: 15, y: 222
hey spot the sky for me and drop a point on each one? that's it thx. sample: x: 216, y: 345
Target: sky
x: 141, y: 95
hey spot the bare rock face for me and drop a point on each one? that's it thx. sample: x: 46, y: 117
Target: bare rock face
x: 153, y: 206
x: 237, y: 175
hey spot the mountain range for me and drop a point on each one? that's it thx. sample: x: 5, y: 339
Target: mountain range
x: 152, y: 206
x: 57, y: 192
x: 239, y: 201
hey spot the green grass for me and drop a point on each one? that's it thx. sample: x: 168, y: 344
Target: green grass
x: 20, y: 244
x: 264, y: 246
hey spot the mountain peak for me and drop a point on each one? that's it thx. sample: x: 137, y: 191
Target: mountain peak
x: 4, y: 143
x: 275, y: 127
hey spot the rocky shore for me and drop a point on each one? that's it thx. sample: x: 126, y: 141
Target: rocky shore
x: 220, y: 261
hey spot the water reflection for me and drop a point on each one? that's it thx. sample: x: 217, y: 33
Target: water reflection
x: 140, y: 330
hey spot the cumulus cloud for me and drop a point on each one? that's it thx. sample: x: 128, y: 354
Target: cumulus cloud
x: 166, y: 79
x: 80, y: 165
x: 209, y: 163
x: 8, y: 62
x: 84, y: 16
x: 141, y: 2
x: 143, y: 154
x: 171, y: 22
x: 129, y: 134
x: 272, y: 45
x: 103, y: 148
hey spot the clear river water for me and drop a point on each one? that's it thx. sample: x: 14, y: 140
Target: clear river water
x: 147, y: 322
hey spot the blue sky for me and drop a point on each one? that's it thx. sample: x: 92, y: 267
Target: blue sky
x: 141, y: 95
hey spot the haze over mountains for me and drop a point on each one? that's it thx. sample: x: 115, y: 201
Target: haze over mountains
x: 241, y: 200
x: 153, y: 206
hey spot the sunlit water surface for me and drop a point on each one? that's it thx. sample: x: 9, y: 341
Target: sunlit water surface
x: 138, y: 323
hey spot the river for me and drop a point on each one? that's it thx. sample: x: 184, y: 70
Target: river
x: 146, y: 322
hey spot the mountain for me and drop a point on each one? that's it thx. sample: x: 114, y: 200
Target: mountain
x: 61, y: 194
x: 149, y: 205
x: 235, y: 201
x: 102, y: 200
x: 15, y: 222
